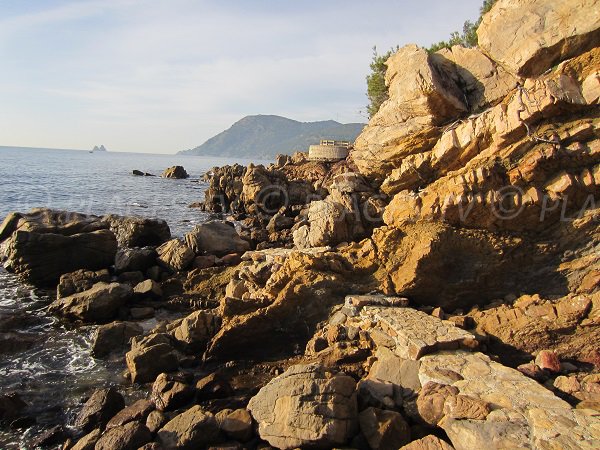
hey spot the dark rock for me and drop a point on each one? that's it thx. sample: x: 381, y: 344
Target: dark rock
x: 137, y: 411
x: 150, y: 356
x: 141, y: 313
x: 42, y: 258
x: 13, y: 342
x: 131, y: 278
x: 99, y: 409
x: 79, y: 281
x: 135, y: 259
x: 213, y: 386
x: 101, y: 303
x: 130, y: 436
x: 51, y: 436
x: 177, y: 172
x: 216, y: 237
x: 171, y: 392
x: 138, y: 231
x: 139, y: 173
x: 204, y: 261
x: 11, y: 406
x: 114, y: 336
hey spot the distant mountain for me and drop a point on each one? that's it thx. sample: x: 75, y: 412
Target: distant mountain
x: 99, y: 149
x: 264, y: 136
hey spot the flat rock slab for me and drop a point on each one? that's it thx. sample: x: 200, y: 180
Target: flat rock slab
x: 416, y: 333
x: 524, y: 413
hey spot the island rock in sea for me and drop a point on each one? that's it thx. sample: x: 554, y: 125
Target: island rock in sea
x: 439, y: 288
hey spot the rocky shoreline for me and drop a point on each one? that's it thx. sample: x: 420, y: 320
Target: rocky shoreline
x: 438, y: 289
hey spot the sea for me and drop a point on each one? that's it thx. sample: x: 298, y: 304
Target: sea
x: 51, y: 368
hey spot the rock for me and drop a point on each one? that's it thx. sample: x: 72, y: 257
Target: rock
x: 148, y: 289
x: 568, y: 385
x: 532, y: 370
x: 189, y: 430
x: 155, y: 421
x: 306, y: 406
x: 45, y: 220
x: 237, y: 424
x: 141, y: 313
x: 431, y: 401
x: 130, y: 436
x: 79, y: 281
x: 528, y: 37
x: 99, y: 408
x: 197, y: 329
x: 88, y: 442
x: 204, y: 261
x: 547, y: 359
x: 430, y: 442
x: 51, y: 436
x: 384, y: 429
x: 170, y: 392
x: 150, y: 356
x: 484, y: 82
x: 330, y: 224
x: 423, y: 95
x: 113, y: 336
x: 42, y: 258
x: 101, y: 303
x: 175, y: 255
x: 131, y: 278
x: 175, y: 172
x: 463, y: 407
x: 138, y: 231
x: 11, y: 406
x: 217, y: 238
x: 417, y: 333
x: 136, y: 412
x: 139, y: 173
x: 134, y: 259
x: 213, y: 386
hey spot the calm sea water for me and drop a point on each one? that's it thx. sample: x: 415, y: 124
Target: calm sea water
x: 54, y: 371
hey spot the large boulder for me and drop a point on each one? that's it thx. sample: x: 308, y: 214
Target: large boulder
x: 101, y: 303
x: 528, y: 37
x: 384, y: 429
x: 79, y: 281
x: 44, y: 220
x: 175, y: 255
x: 99, y: 408
x: 150, y: 356
x: 217, y: 238
x: 423, y: 96
x: 136, y: 231
x: 197, y: 329
x: 42, y: 258
x: 171, y: 392
x: 136, y: 412
x: 175, y: 172
x: 192, y: 429
x: 113, y: 337
x: 306, y: 406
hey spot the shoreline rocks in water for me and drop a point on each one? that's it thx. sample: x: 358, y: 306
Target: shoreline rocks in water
x: 177, y: 172
x: 439, y: 288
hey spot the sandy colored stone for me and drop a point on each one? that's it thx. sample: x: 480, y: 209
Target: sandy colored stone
x: 417, y: 333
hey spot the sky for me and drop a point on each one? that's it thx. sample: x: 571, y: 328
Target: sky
x: 159, y: 76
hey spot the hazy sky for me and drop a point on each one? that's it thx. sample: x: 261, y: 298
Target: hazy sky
x: 165, y: 75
